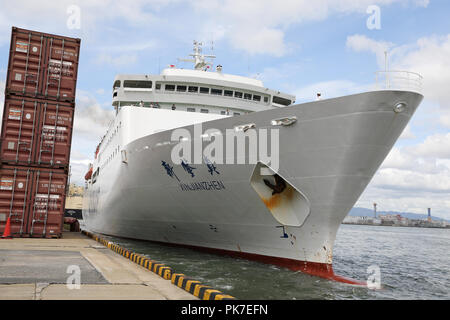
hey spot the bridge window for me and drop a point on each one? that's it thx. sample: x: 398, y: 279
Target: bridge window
x: 204, y: 110
x: 247, y: 96
x: 228, y: 93
x: 158, y: 86
x: 137, y: 84
x: 266, y: 99
x: 280, y: 100
x: 191, y: 109
x: 237, y: 94
x: 170, y: 87
x: 116, y: 84
x: 181, y: 88
x: 204, y: 90
x: 193, y: 89
x: 256, y: 98
x: 216, y: 92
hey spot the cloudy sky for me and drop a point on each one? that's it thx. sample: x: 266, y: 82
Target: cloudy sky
x: 297, y: 46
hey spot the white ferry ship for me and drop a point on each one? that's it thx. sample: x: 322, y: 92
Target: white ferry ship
x: 282, y: 206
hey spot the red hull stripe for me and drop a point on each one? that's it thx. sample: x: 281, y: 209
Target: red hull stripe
x: 322, y: 270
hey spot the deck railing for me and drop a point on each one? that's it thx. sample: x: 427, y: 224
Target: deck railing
x: 398, y: 80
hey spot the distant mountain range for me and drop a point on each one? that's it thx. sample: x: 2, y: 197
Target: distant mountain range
x: 364, y: 212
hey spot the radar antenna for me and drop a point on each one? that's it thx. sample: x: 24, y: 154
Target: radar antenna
x: 199, y: 60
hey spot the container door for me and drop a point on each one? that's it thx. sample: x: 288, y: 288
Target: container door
x: 53, y: 147
x: 19, y: 131
x: 61, y: 69
x: 47, y: 203
x: 15, y: 184
x: 25, y: 63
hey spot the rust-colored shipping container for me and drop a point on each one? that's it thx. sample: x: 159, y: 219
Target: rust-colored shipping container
x: 42, y: 65
x: 55, y: 135
x: 46, y: 212
x: 19, y: 130
x: 36, y: 132
x: 15, y: 186
x: 34, y: 199
x: 60, y: 78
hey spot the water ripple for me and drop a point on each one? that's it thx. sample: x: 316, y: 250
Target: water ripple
x: 414, y: 264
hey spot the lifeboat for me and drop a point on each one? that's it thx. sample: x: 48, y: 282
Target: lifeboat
x: 96, y: 151
x: 88, y: 175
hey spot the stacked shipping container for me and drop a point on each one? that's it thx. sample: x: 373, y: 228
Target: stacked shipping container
x: 34, y: 199
x: 42, y: 65
x: 37, y: 132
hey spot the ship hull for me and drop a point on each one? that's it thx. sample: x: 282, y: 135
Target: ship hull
x: 326, y: 158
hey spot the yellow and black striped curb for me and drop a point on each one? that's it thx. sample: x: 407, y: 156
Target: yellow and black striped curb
x: 199, y: 290
x: 190, y: 285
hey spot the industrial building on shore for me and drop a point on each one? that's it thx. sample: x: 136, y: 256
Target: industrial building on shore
x: 396, y: 220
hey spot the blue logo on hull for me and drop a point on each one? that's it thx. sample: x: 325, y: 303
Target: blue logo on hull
x: 169, y: 170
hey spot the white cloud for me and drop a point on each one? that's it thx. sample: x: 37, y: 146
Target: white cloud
x: 90, y: 124
x: 281, y: 75
x: 259, y: 40
x: 129, y: 46
x: 407, y: 133
x: 329, y: 89
x: 258, y: 27
x: 410, y: 181
x: 76, y: 155
x: 445, y: 119
x: 122, y: 54
x: 91, y: 119
x: 413, y: 178
x: 422, y: 3
x: 84, y: 162
x: 434, y: 146
x: 97, y: 17
x: 428, y: 56
x: 116, y: 61
x: 362, y: 43
x: 77, y: 172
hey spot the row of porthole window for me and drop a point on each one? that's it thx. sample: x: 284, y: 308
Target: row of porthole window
x: 207, y: 111
x: 147, y: 84
x: 111, y: 157
x: 174, y: 107
x: 212, y: 91
x: 110, y: 138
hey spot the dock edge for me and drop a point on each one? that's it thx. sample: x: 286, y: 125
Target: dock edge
x: 194, y: 287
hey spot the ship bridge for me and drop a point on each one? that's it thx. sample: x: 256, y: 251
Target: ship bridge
x: 197, y: 90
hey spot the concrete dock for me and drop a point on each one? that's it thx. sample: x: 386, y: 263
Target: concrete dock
x: 41, y: 269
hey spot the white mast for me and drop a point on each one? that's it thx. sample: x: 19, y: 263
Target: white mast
x: 199, y: 58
